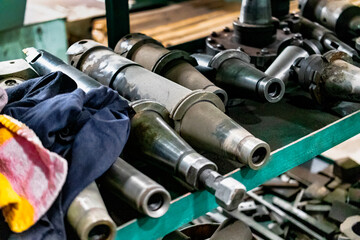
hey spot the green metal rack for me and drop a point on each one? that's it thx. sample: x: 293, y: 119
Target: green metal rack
x: 296, y: 129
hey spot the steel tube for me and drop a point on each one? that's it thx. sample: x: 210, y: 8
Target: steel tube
x: 255, y: 12
x: 135, y: 82
x: 175, y: 65
x: 139, y: 191
x: 326, y: 37
x: 281, y: 67
x: 234, y: 72
x: 154, y: 139
x: 87, y: 214
x: 341, y: 16
x: 49, y: 63
x: 329, y: 78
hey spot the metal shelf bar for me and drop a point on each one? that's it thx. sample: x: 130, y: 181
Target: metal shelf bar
x: 193, y: 205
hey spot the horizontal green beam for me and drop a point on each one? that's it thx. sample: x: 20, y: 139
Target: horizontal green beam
x: 190, y: 206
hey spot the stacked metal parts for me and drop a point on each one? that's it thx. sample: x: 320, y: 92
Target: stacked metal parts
x: 312, y: 201
x: 181, y: 134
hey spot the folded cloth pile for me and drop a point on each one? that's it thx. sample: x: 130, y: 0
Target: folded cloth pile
x: 88, y: 130
x: 31, y: 176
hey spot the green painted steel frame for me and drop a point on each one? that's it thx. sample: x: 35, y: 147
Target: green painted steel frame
x: 193, y: 205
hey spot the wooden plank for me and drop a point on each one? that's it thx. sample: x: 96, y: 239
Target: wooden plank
x: 190, y: 206
x: 177, y: 23
x: 183, y: 23
x: 195, y: 28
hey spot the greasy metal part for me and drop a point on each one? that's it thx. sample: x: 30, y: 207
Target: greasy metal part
x: 329, y: 78
x: 155, y: 138
x: 235, y: 73
x: 232, y: 229
x: 87, y: 214
x: 255, y: 32
x: 223, y: 133
x: 327, y: 38
x: 297, y: 48
x: 316, y: 191
x: 262, y: 214
x: 334, y: 183
x: 261, y: 56
x: 228, y: 192
x: 247, y: 206
x: 354, y: 196
x: 45, y: 63
x: 218, y: 133
x: 175, y: 65
x: 152, y: 137
x: 340, y: 211
x: 336, y: 195
x: 255, y: 20
x: 317, y: 208
x: 351, y: 227
x: 326, y: 229
x: 341, y: 16
x: 306, y: 177
x: 15, y: 72
x: 254, y: 225
x: 287, y: 193
x: 284, y: 215
x: 275, y: 228
x: 281, y: 67
x: 347, y: 169
x: 277, y: 182
x: 280, y: 8
x: 298, y: 198
x: 200, y: 231
x: 135, y: 188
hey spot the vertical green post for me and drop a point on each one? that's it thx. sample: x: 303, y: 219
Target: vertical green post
x: 117, y: 20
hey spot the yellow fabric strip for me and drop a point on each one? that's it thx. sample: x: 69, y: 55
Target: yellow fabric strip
x: 10, y: 123
x: 5, y: 135
x: 17, y: 211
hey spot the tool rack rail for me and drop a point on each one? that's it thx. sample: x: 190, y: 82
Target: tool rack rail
x: 296, y: 129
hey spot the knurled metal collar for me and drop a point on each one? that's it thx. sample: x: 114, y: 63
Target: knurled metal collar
x: 78, y: 50
x: 222, y: 56
x: 131, y: 42
x: 151, y: 105
x: 194, y: 97
x: 171, y: 56
x: 334, y: 55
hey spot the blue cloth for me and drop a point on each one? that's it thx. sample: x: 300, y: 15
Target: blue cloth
x: 89, y: 130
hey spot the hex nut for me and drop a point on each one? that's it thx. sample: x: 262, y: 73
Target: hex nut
x: 229, y: 193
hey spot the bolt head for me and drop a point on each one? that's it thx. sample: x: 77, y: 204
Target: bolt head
x: 214, y: 34
x: 286, y: 30
x: 298, y: 36
x: 220, y: 46
x: 226, y: 29
x: 210, y: 40
x: 229, y: 193
x: 264, y: 51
